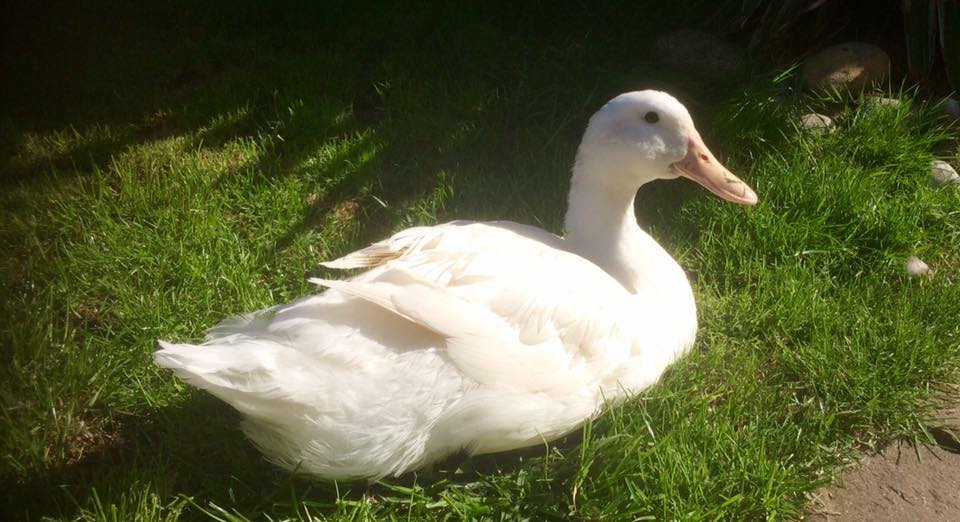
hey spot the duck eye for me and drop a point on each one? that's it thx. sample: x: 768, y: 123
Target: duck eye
x: 651, y: 117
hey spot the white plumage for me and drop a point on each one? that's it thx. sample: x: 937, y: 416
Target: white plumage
x: 483, y: 337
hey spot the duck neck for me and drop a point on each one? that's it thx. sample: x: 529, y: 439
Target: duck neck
x: 601, y: 226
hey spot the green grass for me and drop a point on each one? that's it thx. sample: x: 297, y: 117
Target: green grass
x: 166, y: 167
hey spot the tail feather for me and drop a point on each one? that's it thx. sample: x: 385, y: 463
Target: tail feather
x: 192, y: 361
x: 240, y: 369
x: 243, y: 323
x: 321, y: 417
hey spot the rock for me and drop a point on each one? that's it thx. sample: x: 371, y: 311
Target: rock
x: 951, y: 107
x: 816, y: 122
x: 942, y: 173
x: 699, y: 54
x: 879, y: 101
x: 946, y: 431
x: 947, y: 437
x: 851, y: 65
x: 915, y: 267
x: 872, y: 103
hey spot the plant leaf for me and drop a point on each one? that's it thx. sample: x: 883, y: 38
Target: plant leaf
x: 920, y: 31
x: 774, y: 18
x: 748, y: 8
x: 950, y: 40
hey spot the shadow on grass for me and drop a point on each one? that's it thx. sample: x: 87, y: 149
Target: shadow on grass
x: 194, y: 445
x: 197, y: 447
x: 150, y: 72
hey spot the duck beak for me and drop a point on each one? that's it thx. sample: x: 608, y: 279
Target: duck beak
x: 702, y: 166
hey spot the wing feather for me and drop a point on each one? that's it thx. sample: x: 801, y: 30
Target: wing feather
x: 515, y: 310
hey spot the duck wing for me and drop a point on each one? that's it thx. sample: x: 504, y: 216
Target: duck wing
x: 513, y: 309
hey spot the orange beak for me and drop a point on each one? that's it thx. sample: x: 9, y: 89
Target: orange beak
x: 702, y: 166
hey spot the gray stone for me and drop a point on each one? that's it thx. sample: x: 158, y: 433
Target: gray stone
x: 700, y: 55
x: 852, y: 66
x: 947, y: 437
x: 951, y: 108
x: 943, y: 173
x: 915, y: 267
x: 816, y: 122
x: 880, y: 101
x: 872, y: 103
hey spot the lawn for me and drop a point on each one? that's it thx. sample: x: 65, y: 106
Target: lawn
x: 165, y: 167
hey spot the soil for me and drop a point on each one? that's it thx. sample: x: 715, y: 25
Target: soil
x: 896, y: 485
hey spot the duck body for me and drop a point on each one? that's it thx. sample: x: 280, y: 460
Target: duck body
x: 470, y: 336
x: 481, y: 337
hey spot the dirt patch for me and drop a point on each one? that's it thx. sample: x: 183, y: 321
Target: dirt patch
x: 89, y: 440
x: 902, y: 483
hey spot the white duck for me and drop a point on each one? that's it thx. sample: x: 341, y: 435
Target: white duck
x: 481, y: 337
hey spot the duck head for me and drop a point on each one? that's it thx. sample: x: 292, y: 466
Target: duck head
x: 646, y: 135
